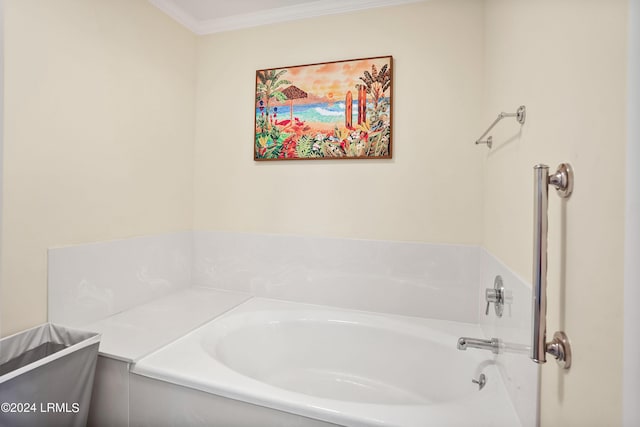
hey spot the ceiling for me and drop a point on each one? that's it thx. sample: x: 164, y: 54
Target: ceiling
x: 213, y: 16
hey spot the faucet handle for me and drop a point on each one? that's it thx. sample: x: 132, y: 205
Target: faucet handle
x: 495, y: 295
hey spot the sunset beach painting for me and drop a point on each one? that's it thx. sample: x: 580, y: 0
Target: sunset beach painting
x: 332, y: 110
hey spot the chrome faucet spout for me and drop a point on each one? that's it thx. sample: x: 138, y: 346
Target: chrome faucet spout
x: 493, y: 344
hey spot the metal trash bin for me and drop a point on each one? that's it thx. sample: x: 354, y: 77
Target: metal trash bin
x: 46, y: 376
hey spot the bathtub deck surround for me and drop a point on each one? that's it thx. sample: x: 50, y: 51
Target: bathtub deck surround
x: 132, y: 334
x: 137, y: 332
x: 155, y: 298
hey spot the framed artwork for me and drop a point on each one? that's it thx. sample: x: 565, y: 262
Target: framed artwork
x: 331, y: 110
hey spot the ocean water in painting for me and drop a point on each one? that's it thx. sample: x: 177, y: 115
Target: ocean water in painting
x: 323, y: 112
x: 319, y: 112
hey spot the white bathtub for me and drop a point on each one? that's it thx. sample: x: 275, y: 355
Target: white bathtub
x: 345, y: 367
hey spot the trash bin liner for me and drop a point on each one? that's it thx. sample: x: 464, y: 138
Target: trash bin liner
x: 46, y: 377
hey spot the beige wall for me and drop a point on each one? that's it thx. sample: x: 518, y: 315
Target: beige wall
x: 99, y: 103
x: 430, y: 191
x: 99, y: 143
x: 566, y: 61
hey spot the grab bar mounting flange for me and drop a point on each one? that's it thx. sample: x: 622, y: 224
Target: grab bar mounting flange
x: 562, y: 180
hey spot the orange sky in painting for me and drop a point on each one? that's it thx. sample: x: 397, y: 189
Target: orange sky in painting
x: 331, y: 80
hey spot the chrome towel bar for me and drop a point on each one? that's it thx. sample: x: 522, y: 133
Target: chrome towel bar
x: 559, y: 347
x: 520, y: 116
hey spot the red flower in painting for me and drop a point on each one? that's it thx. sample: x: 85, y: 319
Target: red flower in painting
x: 289, y: 148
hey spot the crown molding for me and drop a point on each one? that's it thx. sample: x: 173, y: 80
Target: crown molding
x: 271, y: 16
x: 174, y: 11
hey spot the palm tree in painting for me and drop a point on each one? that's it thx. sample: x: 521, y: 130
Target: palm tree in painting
x: 268, y: 85
x: 377, y: 83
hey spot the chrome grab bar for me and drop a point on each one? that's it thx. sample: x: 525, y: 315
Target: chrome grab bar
x: 559, y: 347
